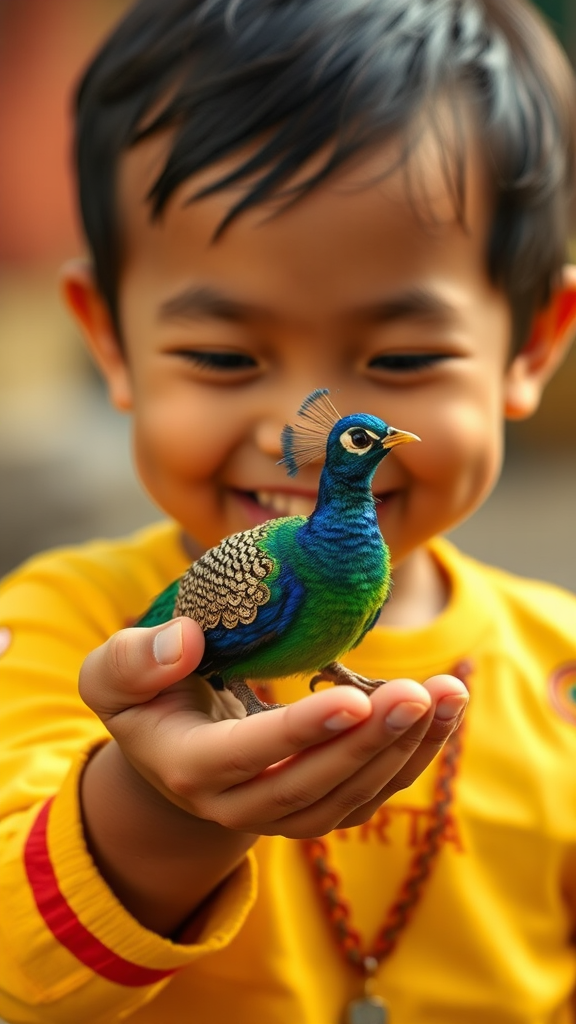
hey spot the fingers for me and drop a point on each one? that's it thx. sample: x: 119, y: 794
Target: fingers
x: 136, y: 664
x: 315, y: 791
x: 422, y: 743
x: 260, y: 741
x: 450, y: 699
x: 327, y: 783
x: 449, y: 710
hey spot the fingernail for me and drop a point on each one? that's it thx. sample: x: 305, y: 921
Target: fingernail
x: 341, y: 720
x: 405, y: 714
x: 167, y: 644
x: 450, y: 707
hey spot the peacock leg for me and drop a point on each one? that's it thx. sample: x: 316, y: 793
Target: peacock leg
x: 336, y: 673
x: 248, y: 698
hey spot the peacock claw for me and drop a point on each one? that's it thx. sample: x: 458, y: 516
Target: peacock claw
x: 336, y: 673
x: 248, y: 698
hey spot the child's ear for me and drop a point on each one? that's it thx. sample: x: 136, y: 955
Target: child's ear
x: 552, y: 333
x: 90, y: 310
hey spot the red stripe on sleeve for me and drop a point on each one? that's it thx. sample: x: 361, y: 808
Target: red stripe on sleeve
x: 63, y: 923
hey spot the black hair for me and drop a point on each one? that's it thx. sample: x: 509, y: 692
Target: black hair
x: 298, y: 78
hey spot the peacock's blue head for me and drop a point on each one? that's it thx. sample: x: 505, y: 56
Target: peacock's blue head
x: 353, y: 445
x: 358, y: 443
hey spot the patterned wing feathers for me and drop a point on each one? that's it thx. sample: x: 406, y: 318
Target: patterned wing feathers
x: 226, y: 584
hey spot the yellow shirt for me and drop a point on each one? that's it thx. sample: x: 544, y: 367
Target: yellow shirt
x: 490, y: 938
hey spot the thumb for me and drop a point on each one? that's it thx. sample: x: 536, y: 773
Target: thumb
x: 135, y: 665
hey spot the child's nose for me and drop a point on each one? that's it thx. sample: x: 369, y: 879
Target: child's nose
x: 267, y: 436
x: 268, y: 439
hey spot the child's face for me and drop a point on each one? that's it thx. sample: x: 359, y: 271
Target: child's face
x: 384, y: 300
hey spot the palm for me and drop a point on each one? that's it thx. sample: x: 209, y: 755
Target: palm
x: 192, y: 701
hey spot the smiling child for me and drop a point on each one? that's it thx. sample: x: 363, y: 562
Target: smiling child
x: 371, y: 197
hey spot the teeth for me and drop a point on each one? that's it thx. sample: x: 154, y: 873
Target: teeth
x: 264, y: 498
x: 300, y: 506
x: 286, y: 504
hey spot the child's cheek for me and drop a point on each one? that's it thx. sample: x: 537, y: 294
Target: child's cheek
x: 178, y: 440
x: 462, y: 447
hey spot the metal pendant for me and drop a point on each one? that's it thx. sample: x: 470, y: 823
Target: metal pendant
x: 369, y: 1010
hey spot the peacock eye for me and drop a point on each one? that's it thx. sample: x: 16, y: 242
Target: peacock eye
x: 358, y: 440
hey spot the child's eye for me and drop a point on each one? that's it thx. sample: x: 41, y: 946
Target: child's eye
x: 219, y: 360
x: 402, y: 362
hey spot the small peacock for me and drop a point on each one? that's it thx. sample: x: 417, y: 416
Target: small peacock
x: 295, y: 594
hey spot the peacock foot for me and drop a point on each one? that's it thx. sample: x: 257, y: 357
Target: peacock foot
x: 248, y: 698
x: 336, y: 673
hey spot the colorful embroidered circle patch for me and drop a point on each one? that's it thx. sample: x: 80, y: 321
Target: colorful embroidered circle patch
x: 562, y: 689
x: 5, y: 639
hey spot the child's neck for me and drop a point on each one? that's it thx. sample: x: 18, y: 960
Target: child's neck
x: 420, y: 592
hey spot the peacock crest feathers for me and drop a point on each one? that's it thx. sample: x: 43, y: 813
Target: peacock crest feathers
x: 226, y: 584
x: 306, y: 442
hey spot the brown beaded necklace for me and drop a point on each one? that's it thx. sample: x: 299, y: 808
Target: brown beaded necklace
x: 370, y: 1008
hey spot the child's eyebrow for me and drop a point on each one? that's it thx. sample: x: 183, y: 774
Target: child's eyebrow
x: 414, y: 302
x: 200, y: 302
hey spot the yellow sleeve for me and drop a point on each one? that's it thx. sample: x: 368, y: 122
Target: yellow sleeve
x: 72, y: 952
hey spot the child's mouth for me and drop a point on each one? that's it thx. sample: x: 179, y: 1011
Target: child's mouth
x: 284, y: 504
x: 262, y: 505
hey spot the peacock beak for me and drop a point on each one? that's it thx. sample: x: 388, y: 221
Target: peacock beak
x: 394, y: 437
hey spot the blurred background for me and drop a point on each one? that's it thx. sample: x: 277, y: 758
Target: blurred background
x: 65, y: 472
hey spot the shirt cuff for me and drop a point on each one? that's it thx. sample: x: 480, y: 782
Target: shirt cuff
x: 96, y: 937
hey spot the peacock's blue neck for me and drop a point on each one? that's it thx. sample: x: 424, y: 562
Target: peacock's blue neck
x: 345, y: 511
x: 343, y: 493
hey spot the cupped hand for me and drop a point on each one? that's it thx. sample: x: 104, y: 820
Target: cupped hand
x: 327, y: 761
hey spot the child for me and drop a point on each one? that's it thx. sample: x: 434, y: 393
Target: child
x: 279, y: 195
